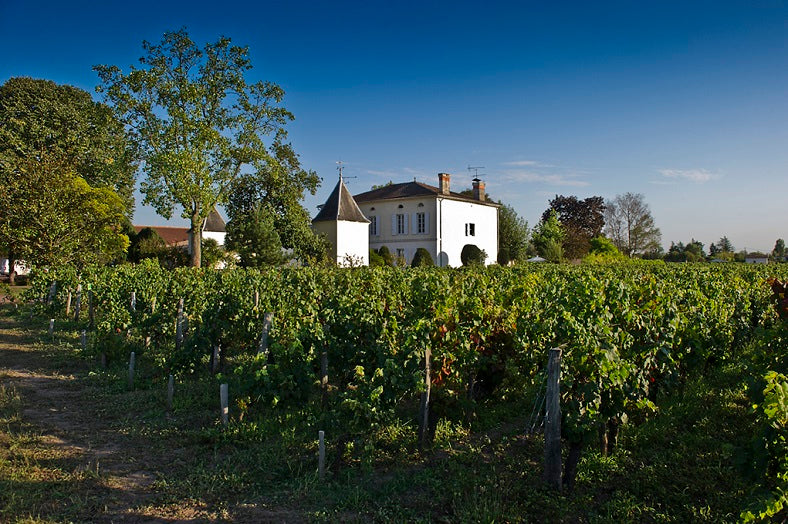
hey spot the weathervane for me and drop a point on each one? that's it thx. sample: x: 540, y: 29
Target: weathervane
x: 340, y: 168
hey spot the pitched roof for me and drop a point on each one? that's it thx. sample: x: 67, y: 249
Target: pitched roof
x: 214, y: 222
x: 340, y: 206
x: 173, y: 236
x: 413, y: 189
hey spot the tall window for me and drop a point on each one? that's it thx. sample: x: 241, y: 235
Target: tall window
x: 421, y: 223
x: 401, y: 227
x: 373, y: 226
x: 470, y: 230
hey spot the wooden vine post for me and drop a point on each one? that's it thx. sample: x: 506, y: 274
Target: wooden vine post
x: 424, y: 408
x: 179, y: 327
x: 262, y: 348
x: 78, y: 304
x: 552, y: 432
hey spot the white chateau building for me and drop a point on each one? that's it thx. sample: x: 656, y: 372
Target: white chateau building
x: 405, y: 217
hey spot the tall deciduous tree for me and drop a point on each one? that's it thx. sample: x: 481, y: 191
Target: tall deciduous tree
x: 41, y: 121
x: 253, y: 236
x: 513, y: 234
x: 548, y: 237
x: 53, y: 216
x: 279, y: 190
x: 779, y: 249
x: 629, y: 224
x: 581, y: 220
x: 197, y: 122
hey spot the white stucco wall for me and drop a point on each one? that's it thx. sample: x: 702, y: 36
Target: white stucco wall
x: 349, y: 240
x: 453, y: 216
x: 218, y: 236
x: 445, y: 227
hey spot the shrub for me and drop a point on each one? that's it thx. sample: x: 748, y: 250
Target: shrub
x: 422, y: 258
x: 471, y: 255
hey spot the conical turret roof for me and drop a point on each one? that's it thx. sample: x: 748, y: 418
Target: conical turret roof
x: 340, y: 206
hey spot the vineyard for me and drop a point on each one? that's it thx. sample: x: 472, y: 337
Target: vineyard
x: 356, y: 352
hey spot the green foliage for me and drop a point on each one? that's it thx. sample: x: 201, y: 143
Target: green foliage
x: 375, y: 260
x: 771, y: 456
x: 422, y: 258
x: 147, y: 244
x: 778, y: 253
x: 581, y: 220
x: 548, y: 238
x: 630, y: 225
x: 198, y: 124
x: 471, y: 255
x: 603, y: 251
x: 40, y: 117
x: 50, y: 216
x: 513, y: 235
x: 627, y: 331
x: 253, y: 236
x: 385, y: 254
x: 212, y: 252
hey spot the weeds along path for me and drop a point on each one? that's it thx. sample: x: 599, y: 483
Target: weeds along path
x: 63, y: 454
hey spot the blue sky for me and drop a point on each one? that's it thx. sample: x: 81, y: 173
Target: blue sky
x: 684, y: 102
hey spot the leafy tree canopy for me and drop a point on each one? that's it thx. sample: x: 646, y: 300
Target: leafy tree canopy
x: 64, y: 122
x: 513, y: 235
x: 581, y: 220
x: 197, y: 123
x: 548, y: 237
x: 52, y: 216
x: 779, y: 249
x: 254, y: 238
x: 629, y: 224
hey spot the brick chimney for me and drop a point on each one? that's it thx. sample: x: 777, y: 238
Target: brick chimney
x: 443, y: 183
x: 478, y: 190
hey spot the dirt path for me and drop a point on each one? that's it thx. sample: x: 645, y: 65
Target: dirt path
x: 72, y: 437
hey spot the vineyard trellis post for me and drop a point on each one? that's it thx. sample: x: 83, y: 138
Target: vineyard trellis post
x: 52, y: 292
x: 179, y: 326
x: 424, y: 408
x: 215, y: 358
x: 52, y: 328
x: 224, y: 400
x: 132, y: 359
x: 133, y: 302
x: 552, y: 432
x: 78, y: 304
x: 321, y: 454
x: 68, y: 304
x: 262, y: 349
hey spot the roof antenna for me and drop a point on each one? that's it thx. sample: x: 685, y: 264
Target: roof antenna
x: 475, y: 169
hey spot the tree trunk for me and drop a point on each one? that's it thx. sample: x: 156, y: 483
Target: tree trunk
x: 11, y: 268
x: 196, y: 240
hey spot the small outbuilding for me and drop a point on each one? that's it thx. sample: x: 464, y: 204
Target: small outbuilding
x: 345, y: 227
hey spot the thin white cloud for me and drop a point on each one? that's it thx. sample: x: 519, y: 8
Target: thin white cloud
x: 699, y: 176
x: 526, y: 163
x: 571, y: 180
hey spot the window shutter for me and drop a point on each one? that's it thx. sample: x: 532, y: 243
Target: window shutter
x: 405, y: 218
x: 393, y: 225
x: 426, y: 223
x: 414, y: 226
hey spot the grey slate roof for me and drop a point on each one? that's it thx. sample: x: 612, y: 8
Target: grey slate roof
x: 214, y: 222
x: 340, y: 206
x: 413, y: 189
